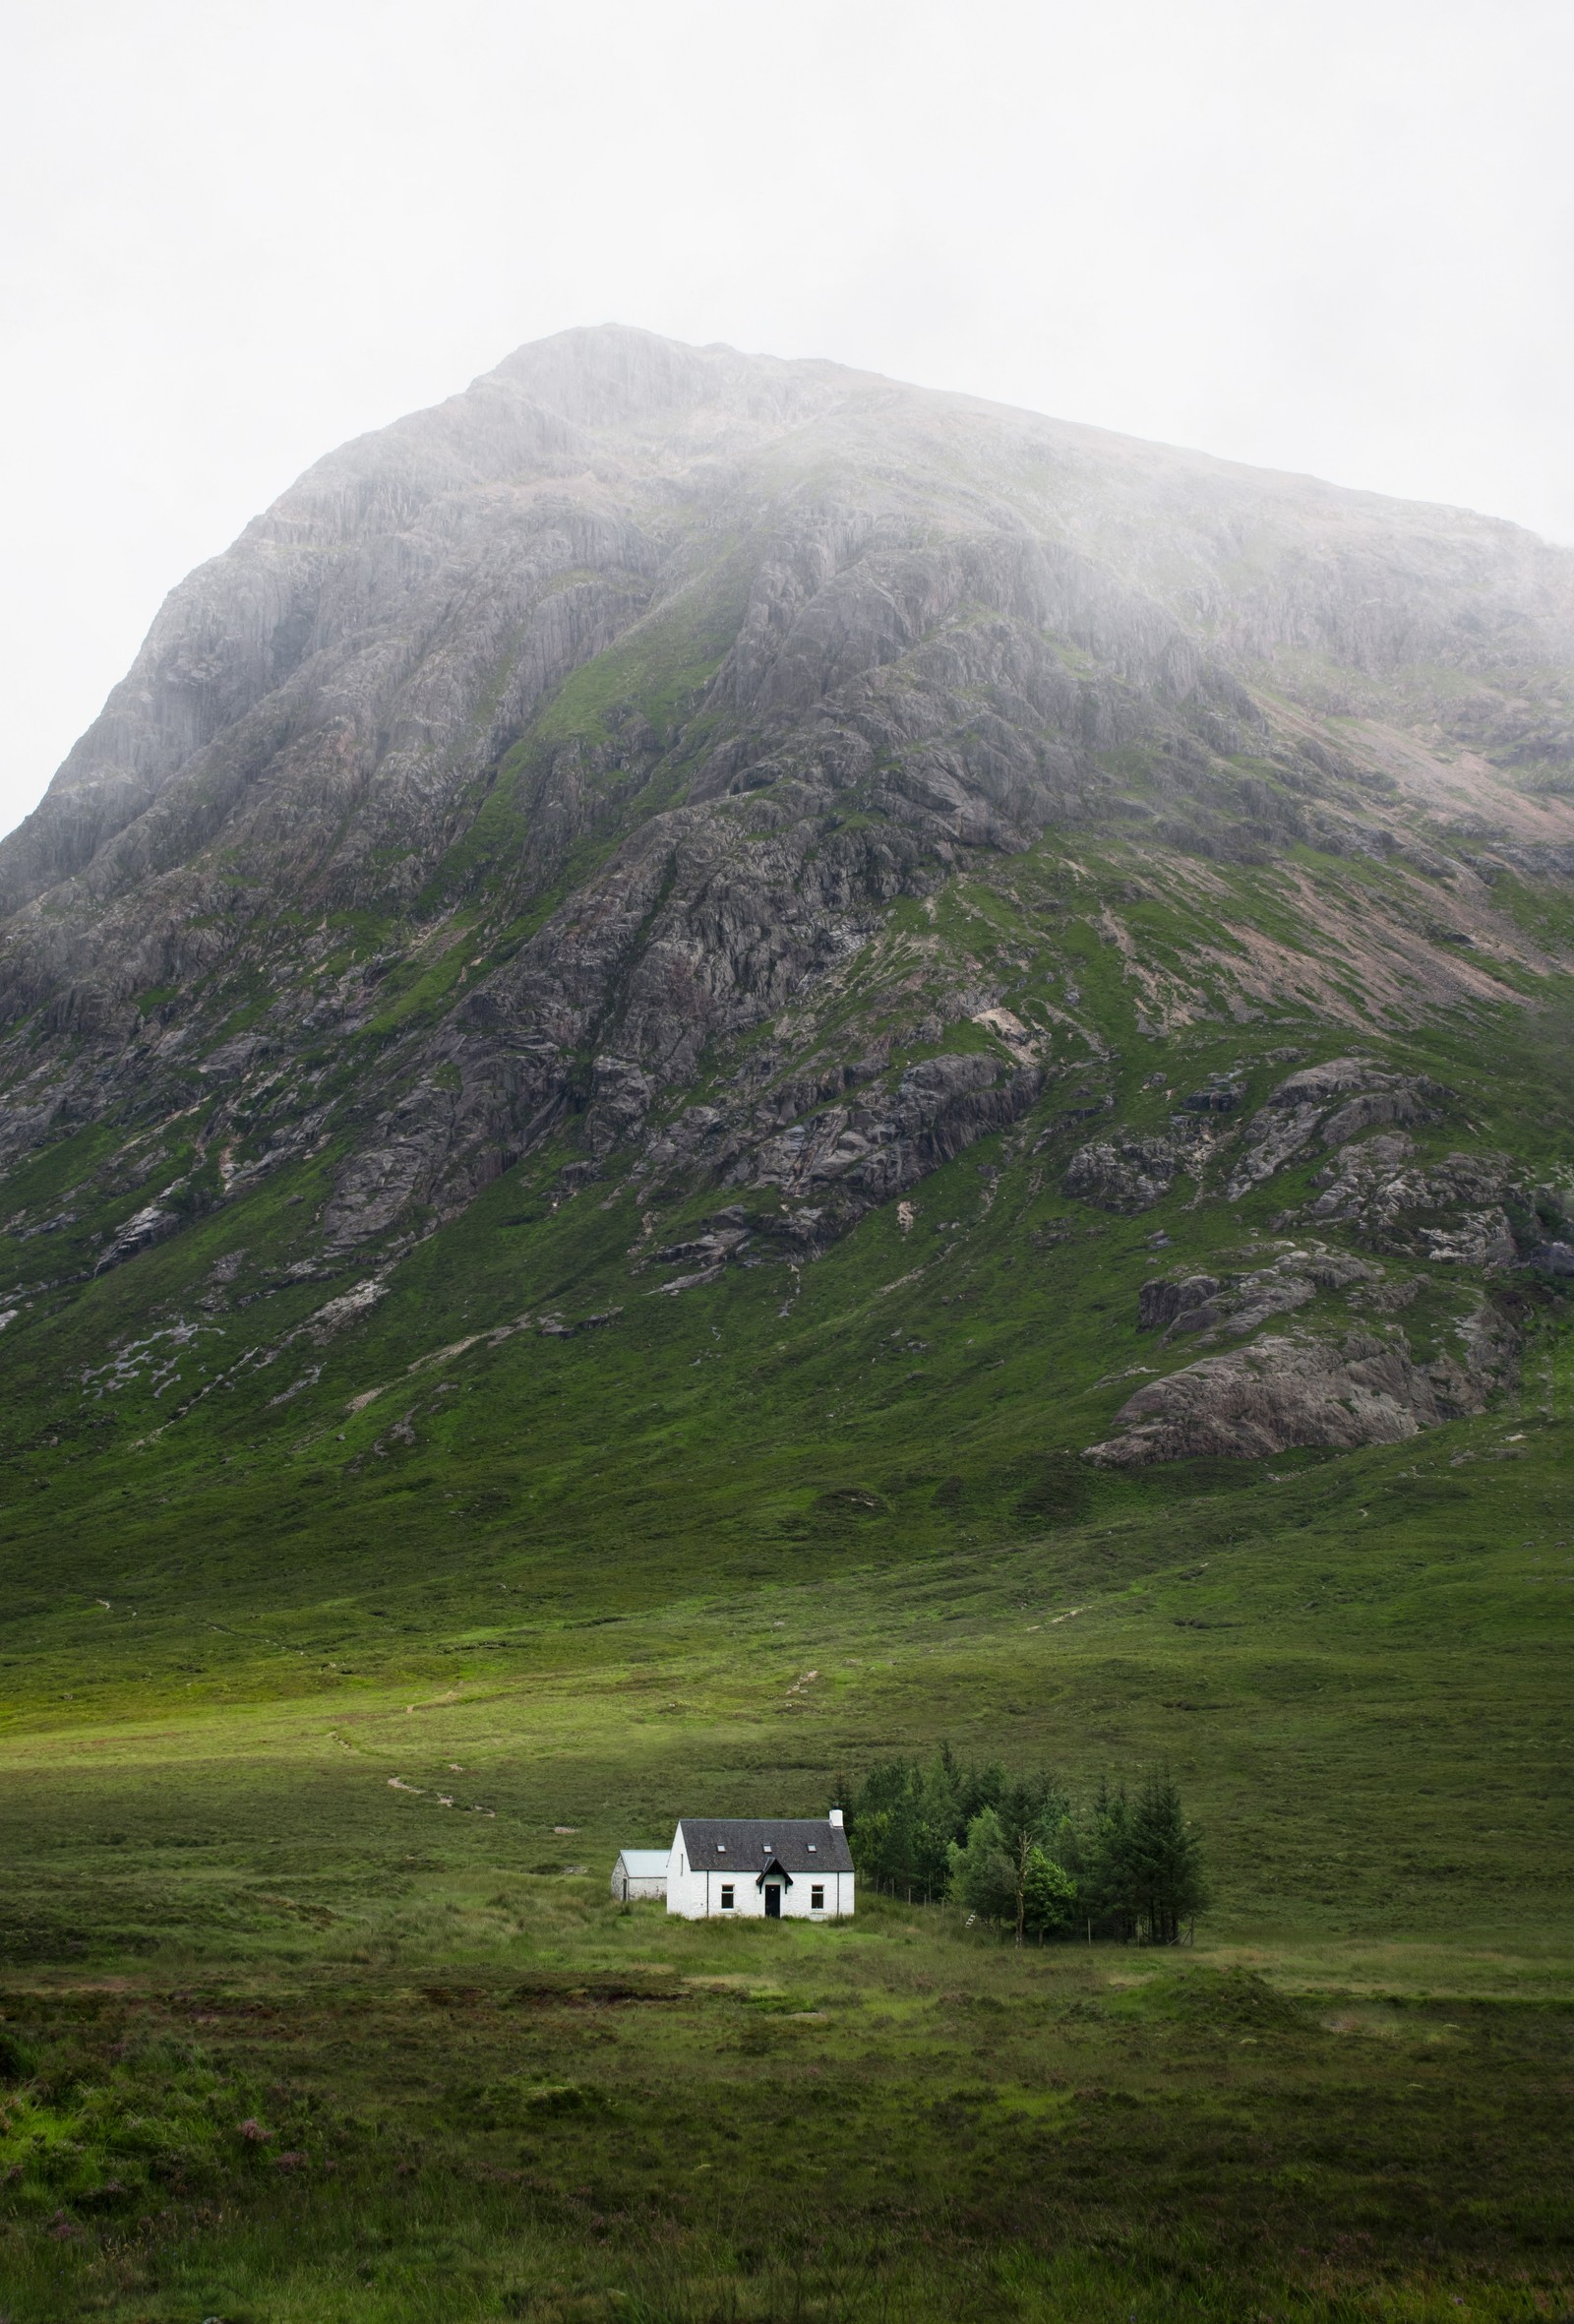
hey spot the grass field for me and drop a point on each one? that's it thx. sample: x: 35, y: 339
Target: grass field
x: 239, y: 1897
x: 589, y: 2113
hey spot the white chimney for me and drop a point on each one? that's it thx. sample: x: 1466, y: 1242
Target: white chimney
x: 836, y: 1817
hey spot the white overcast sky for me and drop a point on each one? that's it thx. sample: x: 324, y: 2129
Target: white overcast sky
x: 1310, y: 233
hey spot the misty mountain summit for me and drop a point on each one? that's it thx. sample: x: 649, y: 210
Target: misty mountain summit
x: 739, y: 789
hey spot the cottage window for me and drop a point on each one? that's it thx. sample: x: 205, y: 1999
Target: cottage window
x: 817, y: 1900
x: 726, y: 1900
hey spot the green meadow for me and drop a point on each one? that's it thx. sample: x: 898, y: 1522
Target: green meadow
x: 326, y: 1855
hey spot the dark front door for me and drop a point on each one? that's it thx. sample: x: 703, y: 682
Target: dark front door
x: 772, y: 1900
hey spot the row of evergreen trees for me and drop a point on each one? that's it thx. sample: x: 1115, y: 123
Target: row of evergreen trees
x: 1019, y: 1850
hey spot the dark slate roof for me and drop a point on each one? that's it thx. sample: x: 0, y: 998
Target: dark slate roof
x: 746, y: 1844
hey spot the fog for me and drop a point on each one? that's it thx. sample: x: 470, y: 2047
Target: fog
x: 1322, y: 236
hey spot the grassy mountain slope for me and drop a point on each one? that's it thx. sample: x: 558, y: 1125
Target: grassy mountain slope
x: 436, y: 1495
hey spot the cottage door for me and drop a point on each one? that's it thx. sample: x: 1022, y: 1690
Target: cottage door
x: 772, y: 1900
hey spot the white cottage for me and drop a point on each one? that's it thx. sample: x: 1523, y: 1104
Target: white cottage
x: 638, y: 1872
x: 776, y: 1867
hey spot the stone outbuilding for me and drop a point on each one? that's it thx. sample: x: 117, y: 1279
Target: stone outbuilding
x: 640, y: 1872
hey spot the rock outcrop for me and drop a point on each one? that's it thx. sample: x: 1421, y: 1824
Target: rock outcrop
x: 1282, y: 1392
x: 1450, y: 1211
x: 1330, y: 1103
x: 1184, y: 1302
x: 1238, y: 1303
x: 1123, y: 1174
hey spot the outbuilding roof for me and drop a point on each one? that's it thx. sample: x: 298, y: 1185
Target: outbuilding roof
x: 644, y: 1864
x: 746, y: 1844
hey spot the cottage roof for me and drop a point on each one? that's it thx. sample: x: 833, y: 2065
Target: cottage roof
x: 644, y: 1864
x: 746, y: 1844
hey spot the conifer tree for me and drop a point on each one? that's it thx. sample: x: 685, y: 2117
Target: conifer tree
x: 1111, y: 1892
x: 1166, y: 1861
x: 1015, y: 1849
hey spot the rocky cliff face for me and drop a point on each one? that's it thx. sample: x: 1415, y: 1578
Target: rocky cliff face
x: 714, y: 771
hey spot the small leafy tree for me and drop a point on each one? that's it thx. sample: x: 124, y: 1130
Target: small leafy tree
x: 1049, y: 1897
x: 982, y: 1877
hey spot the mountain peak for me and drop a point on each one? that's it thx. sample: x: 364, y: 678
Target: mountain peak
x: 612, y: 375
x: 607, y: 763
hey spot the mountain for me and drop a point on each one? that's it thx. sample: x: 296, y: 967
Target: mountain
x: 717, y: 1071
x: 673, y: 847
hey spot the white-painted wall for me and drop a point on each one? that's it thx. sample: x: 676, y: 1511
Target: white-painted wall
x: 696, y: 1896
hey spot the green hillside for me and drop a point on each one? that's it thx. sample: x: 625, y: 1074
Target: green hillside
x: 719, y: 1552
x: 828, y: 1126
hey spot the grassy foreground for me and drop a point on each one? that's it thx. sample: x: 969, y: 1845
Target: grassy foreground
x: 893, y: 2119
x: 309, y: 2013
